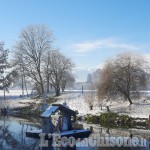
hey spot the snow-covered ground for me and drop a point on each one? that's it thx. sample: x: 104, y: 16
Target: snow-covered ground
x: 75, y: 101
x: 78, y: 101
x: 14, y: 99
x: 13, y: 94
x: 140, y: 107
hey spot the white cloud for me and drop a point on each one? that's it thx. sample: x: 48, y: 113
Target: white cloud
x: 103, y: 43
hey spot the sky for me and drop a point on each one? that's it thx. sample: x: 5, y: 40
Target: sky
x: 87, y: 31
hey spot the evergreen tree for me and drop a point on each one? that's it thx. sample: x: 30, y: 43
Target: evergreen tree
x: 6, y: 77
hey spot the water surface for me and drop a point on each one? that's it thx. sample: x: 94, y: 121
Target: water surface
x: 13, y: 129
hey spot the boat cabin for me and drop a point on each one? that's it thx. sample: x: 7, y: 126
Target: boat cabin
x: 58, y: 118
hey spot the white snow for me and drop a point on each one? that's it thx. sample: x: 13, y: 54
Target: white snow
x: 13, y: 94
x: 76, y: 101
x: 49, y: 111
x: 13, y: 99
x: 139, y: 109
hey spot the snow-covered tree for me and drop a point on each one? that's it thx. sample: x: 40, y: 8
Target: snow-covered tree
x: 34, y: 42
x: 56, y: 66
x: 7, y: 75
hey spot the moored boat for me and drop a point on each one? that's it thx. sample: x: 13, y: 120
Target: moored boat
x: 63, y: 125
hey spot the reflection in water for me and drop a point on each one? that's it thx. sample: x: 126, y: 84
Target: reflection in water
x: 12, y: 135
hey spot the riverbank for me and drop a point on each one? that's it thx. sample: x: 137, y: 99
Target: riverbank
x: 78, y: 101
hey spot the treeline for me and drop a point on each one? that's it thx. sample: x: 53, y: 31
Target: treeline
x: 37, y: 61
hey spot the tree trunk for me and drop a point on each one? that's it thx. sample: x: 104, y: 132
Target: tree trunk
x: 42, y: 89
x: 26, y: 86
x: 4, y: 94
x: 129, y: 99
x: 101, y: 107
x: 63, y: 88
x: 91, y: 107
x: 25, y: 81
x: 48, y: 85
x: 41, y: 81
x: 51, y: 85
x: 22, y: 87
x: 57, y: 90
x: 41, y: 84
x: 4, y: 88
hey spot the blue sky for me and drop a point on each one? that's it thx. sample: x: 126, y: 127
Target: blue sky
x: 88, y: 31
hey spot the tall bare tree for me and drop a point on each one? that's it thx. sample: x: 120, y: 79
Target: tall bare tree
x: 34, y: 41
x: 123, y: 76
x: 56, y: 66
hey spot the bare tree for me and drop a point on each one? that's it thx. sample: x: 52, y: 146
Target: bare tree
x: 35, y: 40
x: 90, y: 97
x: 67, y: 80
x: 56, y: 66
x: 123, y: 76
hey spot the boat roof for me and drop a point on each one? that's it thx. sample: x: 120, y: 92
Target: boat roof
x: 54, y: 107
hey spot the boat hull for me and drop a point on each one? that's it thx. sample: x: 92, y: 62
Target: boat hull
x: 72, y: 133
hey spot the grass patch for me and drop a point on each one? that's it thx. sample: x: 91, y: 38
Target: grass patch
x: 114, y: 120
x: 50, y: 100
x: 32, y: 109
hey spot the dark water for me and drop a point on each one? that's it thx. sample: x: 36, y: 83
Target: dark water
x: 12, y: 134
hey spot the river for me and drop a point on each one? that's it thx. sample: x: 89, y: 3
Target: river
x: 13, y: 129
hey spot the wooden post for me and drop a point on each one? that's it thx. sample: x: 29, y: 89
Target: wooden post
x: 82, y: 89
x: 149, y: 120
